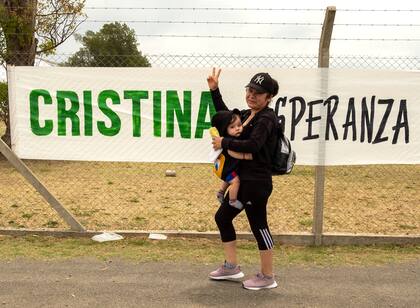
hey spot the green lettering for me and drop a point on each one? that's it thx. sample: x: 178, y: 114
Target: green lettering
x: 206, y: 104
x: 157, y: 113
x: 115, y: 120
x: 87, y: 105
x: 36, y: 127
x: 63, y: 114
x: 136, y: 97
x: 173, y: 106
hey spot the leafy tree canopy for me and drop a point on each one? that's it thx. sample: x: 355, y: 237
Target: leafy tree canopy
x: 115, y: 44
x: 34, y: 27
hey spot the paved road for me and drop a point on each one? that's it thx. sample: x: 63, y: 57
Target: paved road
x: 92, y: 283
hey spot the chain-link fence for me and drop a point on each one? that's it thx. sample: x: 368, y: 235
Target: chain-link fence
x: 237, y: 61
x: 139, y: 196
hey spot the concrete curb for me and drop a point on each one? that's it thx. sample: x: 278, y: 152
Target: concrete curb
x: 301, y: 239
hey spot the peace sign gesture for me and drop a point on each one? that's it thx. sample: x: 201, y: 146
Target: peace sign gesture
x: 213, y: 79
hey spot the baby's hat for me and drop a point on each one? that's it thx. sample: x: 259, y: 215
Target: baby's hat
x: 222, y: 119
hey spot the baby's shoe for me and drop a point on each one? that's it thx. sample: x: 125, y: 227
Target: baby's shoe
x: 236, y: 203
x: 220, y: 196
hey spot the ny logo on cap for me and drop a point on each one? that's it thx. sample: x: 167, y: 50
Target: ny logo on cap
x: 259, y: 79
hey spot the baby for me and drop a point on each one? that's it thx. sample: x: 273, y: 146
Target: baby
x: 228, y: 124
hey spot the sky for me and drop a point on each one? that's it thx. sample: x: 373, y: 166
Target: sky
x: 258, y: 26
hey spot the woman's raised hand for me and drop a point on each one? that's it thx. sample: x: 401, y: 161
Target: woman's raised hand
x: 213, y: 79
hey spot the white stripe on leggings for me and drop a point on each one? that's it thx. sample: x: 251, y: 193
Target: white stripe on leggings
x: 266, y: 237
x: 270, y: 239
x: 265, y: 241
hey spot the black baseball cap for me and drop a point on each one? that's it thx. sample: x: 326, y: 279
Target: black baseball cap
x: 262, y: 83
x: 222, y: 119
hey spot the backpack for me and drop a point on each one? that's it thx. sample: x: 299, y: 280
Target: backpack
x: 284, y: 157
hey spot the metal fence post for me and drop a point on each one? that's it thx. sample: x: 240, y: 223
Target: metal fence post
x: 323, y: 61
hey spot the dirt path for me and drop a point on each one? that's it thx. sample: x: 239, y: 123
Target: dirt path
x: 93, y: 283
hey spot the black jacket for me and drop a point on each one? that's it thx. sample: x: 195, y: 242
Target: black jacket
x: 258, y: 137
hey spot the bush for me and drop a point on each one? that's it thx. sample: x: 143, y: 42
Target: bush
x: 4, y: 106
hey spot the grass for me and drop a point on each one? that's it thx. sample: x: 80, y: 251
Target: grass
x: 381, y: 199
x: 306, y: 222
x: 407, y: 227
x: 197, y: 251
x: 368, y: 199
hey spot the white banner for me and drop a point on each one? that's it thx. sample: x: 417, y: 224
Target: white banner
x: 332, y: 116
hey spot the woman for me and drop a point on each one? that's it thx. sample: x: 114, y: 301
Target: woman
x: 259, y: 138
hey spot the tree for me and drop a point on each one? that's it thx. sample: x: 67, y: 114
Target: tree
x: 115, y: 44
x: 34, y: 27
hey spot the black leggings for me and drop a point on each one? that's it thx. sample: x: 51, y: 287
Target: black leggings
x: 254, y: 196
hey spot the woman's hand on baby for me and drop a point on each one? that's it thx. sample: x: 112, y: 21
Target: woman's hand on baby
x: 217, y: 143
x: 213, y: 79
